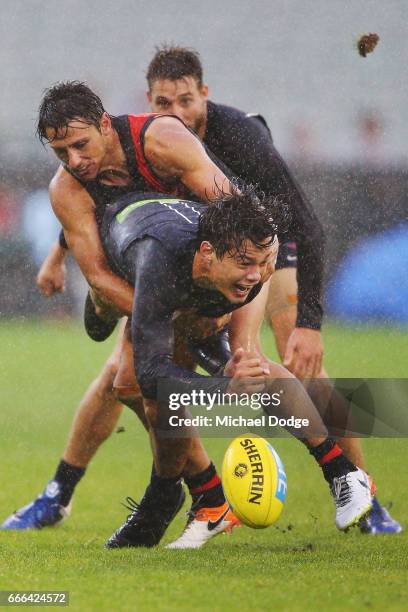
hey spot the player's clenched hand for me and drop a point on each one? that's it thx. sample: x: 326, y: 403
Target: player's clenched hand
x: 246, y: 363
x: 103, y: 310
x: 304, y: 353
x: 51, y: 277
x: 247, y: 371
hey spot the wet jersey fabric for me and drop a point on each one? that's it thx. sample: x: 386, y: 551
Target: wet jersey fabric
x: 131, y: 130
x: 151, y: 240
x: 173, y: 223
x: 136, y: 216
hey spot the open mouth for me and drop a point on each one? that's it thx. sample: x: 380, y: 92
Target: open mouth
x: 242, y: 290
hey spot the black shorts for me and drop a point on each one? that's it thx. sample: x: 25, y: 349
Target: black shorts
x: 287, y: 256
x: 212, y: 353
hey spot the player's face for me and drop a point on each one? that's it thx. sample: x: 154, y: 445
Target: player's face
x: 235, y: 275
x: 184, y: 98
x: 81, y: 146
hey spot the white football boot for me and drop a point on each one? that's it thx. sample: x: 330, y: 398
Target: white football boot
x: 352, y: 498
x: 203, y: 524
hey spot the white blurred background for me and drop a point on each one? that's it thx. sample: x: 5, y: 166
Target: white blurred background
x: 293, y: 60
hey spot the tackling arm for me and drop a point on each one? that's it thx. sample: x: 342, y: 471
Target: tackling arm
x: 264, y: 166
x: 175, y: 151
x: 171, y: 146
x: 75, y: 210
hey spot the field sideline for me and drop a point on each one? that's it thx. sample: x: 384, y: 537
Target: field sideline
x: 299, y: 564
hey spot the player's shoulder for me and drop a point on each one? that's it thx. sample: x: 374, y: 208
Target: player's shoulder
x: 139, y: 118
x: 64, y: 187
x: 63, y: 181
x: 225, y: 111
x: 161, y: 122
x: 164, y: 129
x: 165, y: 140
x: 141, y: 122
x: 229, y: 116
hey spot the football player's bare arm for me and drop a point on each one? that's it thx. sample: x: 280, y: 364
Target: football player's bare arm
x: 75, y: 210
x: 174, y: 151
x: 245, y: 326
x: 246, y: 323
x: 51, y: 275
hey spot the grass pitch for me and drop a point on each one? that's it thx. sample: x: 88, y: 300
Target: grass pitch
x: 299, y: 564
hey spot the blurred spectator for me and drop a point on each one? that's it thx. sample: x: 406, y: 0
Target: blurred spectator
x: 9, y: 213
x: 303, y: 143
x: 371, y: 138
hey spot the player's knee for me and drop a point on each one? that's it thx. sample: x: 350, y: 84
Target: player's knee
x: 125, y: 385
x: 128, y: 394
x: 107, y: 376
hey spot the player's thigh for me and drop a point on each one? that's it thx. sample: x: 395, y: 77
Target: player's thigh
x: 186, y: 326
x: 115, y: 355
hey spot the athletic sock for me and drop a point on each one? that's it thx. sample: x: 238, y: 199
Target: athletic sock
x: 205, y: 488
x: 68, y: 476
x: 332, y: 460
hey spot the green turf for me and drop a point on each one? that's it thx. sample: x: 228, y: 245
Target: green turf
x: 300, y: 564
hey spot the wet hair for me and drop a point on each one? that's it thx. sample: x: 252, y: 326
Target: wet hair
x: 246, y: 214
x: 173, y: 63
x: 65, y: 102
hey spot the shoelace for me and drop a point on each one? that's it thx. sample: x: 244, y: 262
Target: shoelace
x: 191, y: 514
x: 342, y: 491
x: 137, y: 510
x: 132, y: 505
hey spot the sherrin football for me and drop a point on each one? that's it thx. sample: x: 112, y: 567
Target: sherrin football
x: 254, y: 481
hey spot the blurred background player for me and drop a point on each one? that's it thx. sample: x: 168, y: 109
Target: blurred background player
x: 293, y: 308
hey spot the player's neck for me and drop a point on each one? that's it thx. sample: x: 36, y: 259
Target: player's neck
x: 114, y: 169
